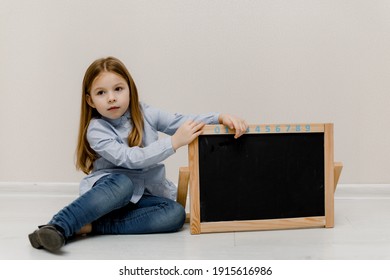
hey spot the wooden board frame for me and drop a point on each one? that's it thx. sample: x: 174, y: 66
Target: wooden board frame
x: 197, y: 227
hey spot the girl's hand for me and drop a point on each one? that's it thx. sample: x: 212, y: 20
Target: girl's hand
x: 186, y: 133
x: 233, y: 122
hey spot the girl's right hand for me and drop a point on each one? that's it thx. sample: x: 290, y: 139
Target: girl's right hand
x: 186, y: 133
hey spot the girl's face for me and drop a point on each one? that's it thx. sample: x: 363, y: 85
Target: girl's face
x: 109, y: 95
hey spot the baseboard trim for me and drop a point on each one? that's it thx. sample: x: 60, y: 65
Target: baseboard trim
x: 39, y: 188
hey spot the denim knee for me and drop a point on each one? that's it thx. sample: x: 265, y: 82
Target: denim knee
x: 119, y: 185
x: 177, y: 216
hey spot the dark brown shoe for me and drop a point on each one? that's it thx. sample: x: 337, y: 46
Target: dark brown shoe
x: 47, y: 237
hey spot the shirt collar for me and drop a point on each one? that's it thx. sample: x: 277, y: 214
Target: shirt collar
x: 115, y: 122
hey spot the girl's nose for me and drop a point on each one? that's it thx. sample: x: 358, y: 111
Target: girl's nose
x: 111, y: 97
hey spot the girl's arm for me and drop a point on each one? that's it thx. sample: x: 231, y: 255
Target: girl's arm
x: 189, y: 130
x: 185, y: 128
x: 169, y: 123
x: 109, y: 146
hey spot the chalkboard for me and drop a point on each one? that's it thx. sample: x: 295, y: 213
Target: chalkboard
x: 274, y: 176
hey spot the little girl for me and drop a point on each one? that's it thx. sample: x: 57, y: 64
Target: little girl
x: 125, y: 190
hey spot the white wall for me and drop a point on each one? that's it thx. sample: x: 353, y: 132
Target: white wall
x: 267, y: 61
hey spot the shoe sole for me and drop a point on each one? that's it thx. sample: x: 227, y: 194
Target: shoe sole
x: 46, y: 238
x: 33, y: 240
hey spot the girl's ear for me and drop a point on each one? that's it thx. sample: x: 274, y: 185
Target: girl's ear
x: 89, y: 101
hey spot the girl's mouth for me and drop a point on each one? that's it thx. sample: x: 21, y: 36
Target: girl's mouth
x: 113, y: 108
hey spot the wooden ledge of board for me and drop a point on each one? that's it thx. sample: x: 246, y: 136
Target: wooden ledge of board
x: 254, y: 225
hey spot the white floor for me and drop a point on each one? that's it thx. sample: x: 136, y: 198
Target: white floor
x: 362, y: 231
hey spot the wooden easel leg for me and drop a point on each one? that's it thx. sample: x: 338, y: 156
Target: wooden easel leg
x: 182, y: 188
x: 338, y: 166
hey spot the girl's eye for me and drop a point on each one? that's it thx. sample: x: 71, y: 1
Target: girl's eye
x: 119, y: 89
x: 100, y: 92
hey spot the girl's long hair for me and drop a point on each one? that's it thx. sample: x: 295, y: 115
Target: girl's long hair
x: 85, y: 156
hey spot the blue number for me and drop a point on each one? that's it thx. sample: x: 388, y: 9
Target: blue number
x: 217, y: 129
x: 298, y: 128
x: 288, y: 128
x: 257, y: 129
x: 277, y: 128
x: 268, y: 128
x: 226, y: 129
x: 307, y: 128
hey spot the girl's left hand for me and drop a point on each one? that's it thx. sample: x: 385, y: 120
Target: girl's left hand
x: 233, y: 122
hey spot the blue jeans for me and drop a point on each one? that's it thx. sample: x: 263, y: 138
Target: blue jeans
x: 106, y: 206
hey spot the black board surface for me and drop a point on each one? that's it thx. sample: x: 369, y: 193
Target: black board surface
x: 261, y: 176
